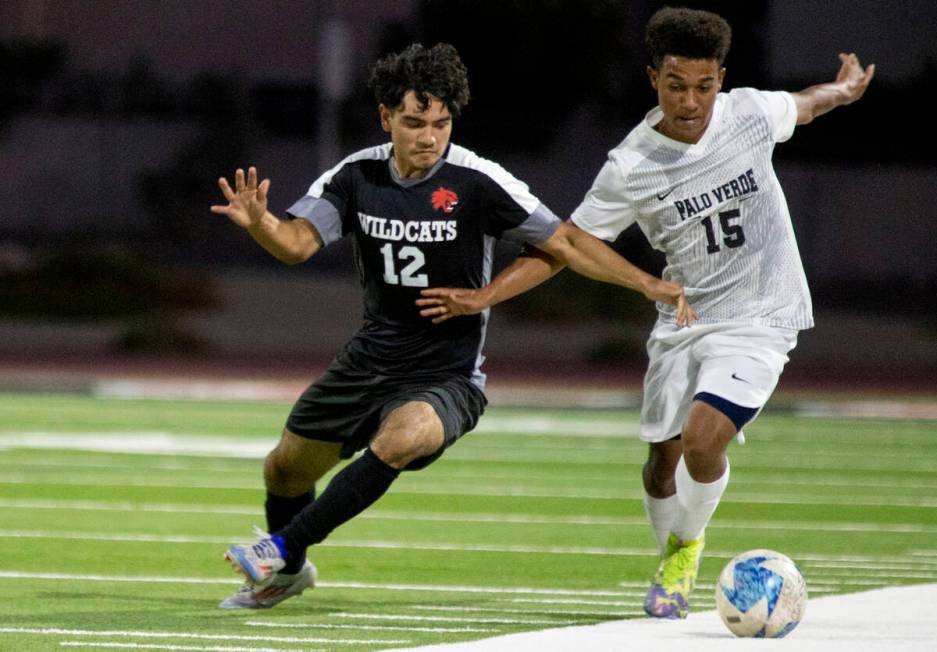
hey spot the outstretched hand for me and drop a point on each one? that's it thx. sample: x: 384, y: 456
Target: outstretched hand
x: 853, y: 78
x: 247, y: 203
x: 445, y: 303
x: 673, y: 294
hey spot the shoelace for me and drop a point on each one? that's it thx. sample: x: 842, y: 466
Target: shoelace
x: 265, y: 548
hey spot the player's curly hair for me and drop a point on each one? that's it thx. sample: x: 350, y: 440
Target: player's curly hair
x: 690, y: 33
x: 436, y: 71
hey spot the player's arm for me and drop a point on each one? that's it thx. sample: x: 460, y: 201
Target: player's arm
x: 524, y: 273
x: 291, y: 241
x: 589, y: 256
x: 570, y: 246
x: 849, y: 86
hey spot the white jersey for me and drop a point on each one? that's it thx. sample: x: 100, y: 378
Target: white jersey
x: 715, y: 208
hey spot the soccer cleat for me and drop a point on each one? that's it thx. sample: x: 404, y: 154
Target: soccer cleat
x: 282, y: 587
x: 259, y: 562
x: 669, y: 595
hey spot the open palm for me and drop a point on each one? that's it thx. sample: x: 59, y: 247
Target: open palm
x: 854, y: 77
x: 247, y: 202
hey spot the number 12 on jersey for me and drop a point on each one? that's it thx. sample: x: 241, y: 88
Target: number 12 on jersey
x: 412, y: 261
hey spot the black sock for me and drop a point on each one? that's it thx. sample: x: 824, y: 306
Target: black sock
x: 350, y: 492
x: 280, y: 511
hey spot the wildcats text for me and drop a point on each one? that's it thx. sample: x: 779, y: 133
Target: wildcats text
x: 413, y: 231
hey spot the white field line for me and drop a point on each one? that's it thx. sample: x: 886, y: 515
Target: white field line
x: 367, y: 586
x: 165, y: 443
x: 448, y: 619
x: 141, y: 442
x: 828, y: 585
x: 182, y: 648
x: 540, y: 426
x: 513, y: 519
x: 54, y: 631
x: 408, y: 628
x: 884, y: 565
x: 161, y: 464
x: 516, y: 492
x: 539, y: 611
x: 814, y: 484
x: 789, y: 462
x: 492, y: 474
x: 568, y: 601
x: 103, y: 506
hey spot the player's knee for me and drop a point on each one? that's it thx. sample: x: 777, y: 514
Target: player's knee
x: 399, y: 447
x: 410, y: 432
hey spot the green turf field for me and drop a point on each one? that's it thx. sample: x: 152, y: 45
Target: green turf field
x: 114, y: 516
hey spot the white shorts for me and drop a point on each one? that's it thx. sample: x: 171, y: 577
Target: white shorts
x: 737, y: 362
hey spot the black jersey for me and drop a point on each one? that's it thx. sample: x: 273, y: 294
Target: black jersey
x: 437, y: 230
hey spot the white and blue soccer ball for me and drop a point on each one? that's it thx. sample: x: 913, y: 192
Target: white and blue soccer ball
x: 761, y: 594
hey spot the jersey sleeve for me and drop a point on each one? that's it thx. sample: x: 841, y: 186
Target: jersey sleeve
x: 324, y: 205
x: 606, y: 210
x: 781, y: 110
x: 511, y: 211
x: 536, y: 228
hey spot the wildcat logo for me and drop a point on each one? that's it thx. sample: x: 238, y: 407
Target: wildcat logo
x: 445, y: 200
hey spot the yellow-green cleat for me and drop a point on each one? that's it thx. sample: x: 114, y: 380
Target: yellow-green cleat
x: 669, y: 595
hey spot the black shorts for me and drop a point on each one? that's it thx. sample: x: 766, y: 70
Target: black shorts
x: 347, y: 405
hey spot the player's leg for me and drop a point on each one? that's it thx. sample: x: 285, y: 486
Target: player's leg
x: 671, y: 368
x: 415, y: 427
x: 291, y: 471
x: 702, y: 473
x: 660, y: 491
x: 706, y: 434
x: 739, y: 369
x: 410, y: 431
x: 320, y: 425
x: 669, y: 387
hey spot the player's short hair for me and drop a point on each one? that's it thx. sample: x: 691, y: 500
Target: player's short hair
x: 690, y: 33
x: 436, y: 71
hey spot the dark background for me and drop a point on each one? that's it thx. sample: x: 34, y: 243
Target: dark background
x: 117, y: 117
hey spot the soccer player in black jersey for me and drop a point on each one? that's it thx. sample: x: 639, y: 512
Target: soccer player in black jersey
x: 422, y: 212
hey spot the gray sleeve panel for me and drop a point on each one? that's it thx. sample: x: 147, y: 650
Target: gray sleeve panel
x: 322, y: 214
x: 537, y: 228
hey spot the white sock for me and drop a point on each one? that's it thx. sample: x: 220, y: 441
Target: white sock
x: 661, y: 512
x: 697, y: 500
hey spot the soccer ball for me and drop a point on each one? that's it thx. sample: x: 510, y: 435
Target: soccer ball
x: 761, y: 594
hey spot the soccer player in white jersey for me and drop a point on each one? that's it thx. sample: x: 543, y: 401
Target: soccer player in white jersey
x: 421, y: 211
x: 696, y: 176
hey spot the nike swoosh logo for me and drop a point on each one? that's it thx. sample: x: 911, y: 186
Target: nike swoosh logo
x: 734, y: 377
x: 662, y: 197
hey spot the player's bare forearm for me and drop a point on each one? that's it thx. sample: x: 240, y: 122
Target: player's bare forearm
x: 523, y: 274
x: 591, y: 257
x: 290, y: 241
x: 850, y: 85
